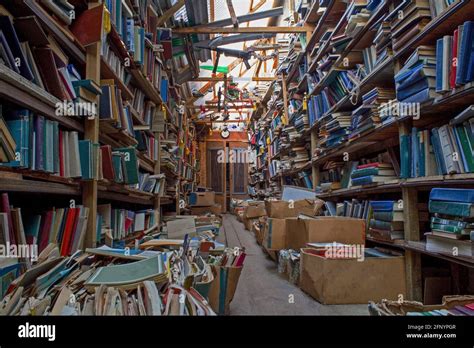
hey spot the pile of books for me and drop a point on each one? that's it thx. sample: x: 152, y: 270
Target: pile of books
x: 452, y: 221
x: 152, y: 183
x: 334, y: 129
x: 331, y: 176
x: 416, y: 15
x: 454, y: 66
x: 367, y: 116
x: 387, y: 220
x: 377, y: 172
x: 298, y: 157
x: 466, y: 310
x: 415, y: 82
x: 444, y: 150
x: 383, y: 42
x: 353, y: 208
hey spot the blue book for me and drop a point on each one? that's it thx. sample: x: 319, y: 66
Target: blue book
x: 417, y: 75
x: 420, y: 97
x: 19, y: 127
x: 405, y: 154
x: 438, y: 152
x: 418, y: 86
x: 364, y: 180
x: 414, y: 153
x: 439, y: 65
x: 463, y: 54
x: 164, y: 90
x: 39, y: 143
x: 382, y: 205
x: 452, y: 195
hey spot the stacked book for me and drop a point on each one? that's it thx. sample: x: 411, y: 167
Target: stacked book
x: 452, y: 221
x: 377, y: 172
x: 387, y: 220
x: 367, y: 116
x: 334, y: 129
x: 461, y: 310
x: 415, y: 82
x: 416, y: 15
x: 454, y: 66
x: 357, y: 16
x: 383, y: 42
x: 298, y: 157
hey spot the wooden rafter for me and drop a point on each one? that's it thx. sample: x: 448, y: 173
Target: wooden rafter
x: 230, y: 6
x: 220, y: 79
x: 170, y: 12
x: 243, y: 30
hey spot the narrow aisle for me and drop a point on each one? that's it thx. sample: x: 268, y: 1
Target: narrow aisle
x: 262, y: 290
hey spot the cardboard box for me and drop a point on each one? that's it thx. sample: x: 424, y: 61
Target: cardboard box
x: 348, y: 281
x: 324, y: 229
x: 275, y: 234
x: 202, y: 199
x: 255, y: 210
x: 249, y: 222
x: 213, y: 209
x: 223, y: 288
x: 283, y: 209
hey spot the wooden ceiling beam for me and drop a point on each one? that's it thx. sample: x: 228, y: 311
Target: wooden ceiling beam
x: 220, y: 79
x: 170, y: 12
x: 242, y: 30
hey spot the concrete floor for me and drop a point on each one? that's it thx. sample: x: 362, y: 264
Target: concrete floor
x: 262, y: 290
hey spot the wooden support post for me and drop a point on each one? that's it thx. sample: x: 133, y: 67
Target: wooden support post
x: 412, y: 233
x: 285, y: 100
x: 91, y: 132
x: 315, y: 168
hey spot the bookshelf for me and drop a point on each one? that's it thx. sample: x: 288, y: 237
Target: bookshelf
x: 297, y: 71
x: 147, y: 110
x: 385, y: 135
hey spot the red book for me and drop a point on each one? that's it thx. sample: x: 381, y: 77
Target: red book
x: 107, y: 165
x: 74, y: 231
x: 454, y: 63
x: 240, y: 260
x: 45, y: 230
x: 5, y: 208
x: 368, y: 165
x: 61, y: 154
x: 68, y: 230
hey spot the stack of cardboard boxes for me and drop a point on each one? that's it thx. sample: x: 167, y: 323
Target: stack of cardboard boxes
x: 204, y: 201
x: 352, y: 274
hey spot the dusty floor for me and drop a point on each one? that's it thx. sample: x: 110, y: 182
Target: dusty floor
x: 262, y: 290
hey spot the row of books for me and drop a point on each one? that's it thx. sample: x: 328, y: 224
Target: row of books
x: 118, y: 224
x: 65, y: 227
x: 346, y: 174
x: 452, y: 221
x: 442, y: 150
x: 39, y: 59
x: 453, y: 59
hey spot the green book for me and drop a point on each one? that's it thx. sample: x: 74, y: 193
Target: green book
x: 450, y: 229
x: 130, y: 163
x: 405, y: 156
x: 386, y: 226
x: 452, y: 208
x: 465, y: 147
x: 85, y: 151
x: 388, y: 216
x: 117, y: 163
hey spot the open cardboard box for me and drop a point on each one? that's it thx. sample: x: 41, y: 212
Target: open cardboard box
x: 349, y: 281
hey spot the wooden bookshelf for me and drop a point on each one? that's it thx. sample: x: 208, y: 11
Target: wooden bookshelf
x: 387, y: 135
x: 92, y: 65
